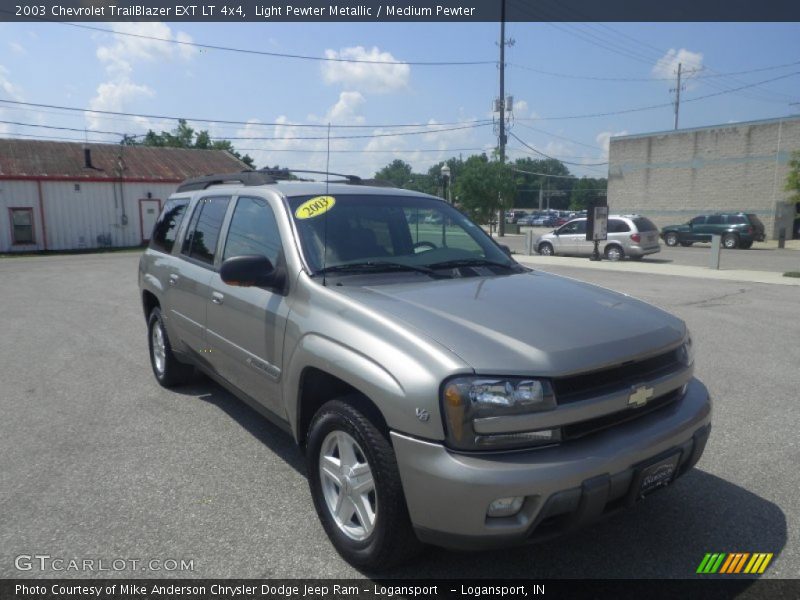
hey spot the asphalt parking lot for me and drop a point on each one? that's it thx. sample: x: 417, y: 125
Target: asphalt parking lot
x: 98, y: 461
x: 763, y: 256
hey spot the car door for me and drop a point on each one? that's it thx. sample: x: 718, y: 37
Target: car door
x: 188, y: 280
x: 697, y: 230
x: 715, y: 225
x: 246, y: 325
x: 575, y: 241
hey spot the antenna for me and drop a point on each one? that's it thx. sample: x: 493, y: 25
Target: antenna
x: 325, y: 216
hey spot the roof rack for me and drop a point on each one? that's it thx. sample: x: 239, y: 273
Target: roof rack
x: 267, y: 176
x: 246, y: 177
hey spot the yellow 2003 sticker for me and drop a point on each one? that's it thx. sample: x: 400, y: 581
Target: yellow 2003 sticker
x: 316, y: 206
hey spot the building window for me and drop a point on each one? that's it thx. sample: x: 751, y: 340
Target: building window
x: 77, y: 187
x: 22, y: 225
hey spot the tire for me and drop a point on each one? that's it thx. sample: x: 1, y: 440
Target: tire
x: 372, y: 529
x: 168, y: 370
x: 546, y: 249
x: 730, y: 241
x: 745, y: 245
x: 671, y: 239
x: 614, y: 252
x: 686, y: 244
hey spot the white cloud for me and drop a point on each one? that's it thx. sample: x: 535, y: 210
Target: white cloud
x: 379, y: 76
x: 667, y: 66
x: 113, y: 96
x: 603, y: 140
x: 119, y: 57
x: 10, y: 90
x: 344, y: 112
x: 17, y: 48
x: 125, y: 50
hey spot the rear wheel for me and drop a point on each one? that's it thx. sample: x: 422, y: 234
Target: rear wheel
x: 355, y: 484
x: 169, y: 371
x: 730, y: 241
x: 614, y: 252
x: 671, y: 239
x: 546, y: 249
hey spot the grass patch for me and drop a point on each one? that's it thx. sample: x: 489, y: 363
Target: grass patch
x: 792, y: 274
x: 69, y: 252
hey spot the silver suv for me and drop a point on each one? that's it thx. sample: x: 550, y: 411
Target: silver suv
x: 628, y: 235
x: 398, y: 352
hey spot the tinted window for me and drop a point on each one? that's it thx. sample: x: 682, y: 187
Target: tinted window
x: 736, y: 220
x: 644, y: 224
x: 697, y: 221
x: 201, y: 240
x: 715, y: 220
x: 617, y: 226
x: 253, y: 230
x: 166, y: 227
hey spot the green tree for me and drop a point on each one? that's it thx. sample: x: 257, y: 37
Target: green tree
x: 586, y: 189
x: 793, y: 178
x: 397, y: 173
x: 184, y: 136
x: 556, y: 188
x: 481, y: 184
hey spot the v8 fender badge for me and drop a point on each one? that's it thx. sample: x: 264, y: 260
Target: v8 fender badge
x: 422, y: 414
x: 316, y: 206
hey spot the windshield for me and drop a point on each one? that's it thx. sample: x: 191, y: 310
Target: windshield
x: 409, y: 230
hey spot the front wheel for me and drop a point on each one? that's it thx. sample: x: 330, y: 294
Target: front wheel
x: 671, y: 239
x: 355, y: 484
x: 546, y: 249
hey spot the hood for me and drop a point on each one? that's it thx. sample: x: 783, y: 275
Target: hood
x: 527, y: 324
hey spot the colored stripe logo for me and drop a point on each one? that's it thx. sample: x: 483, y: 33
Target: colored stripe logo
x: 734, y: 563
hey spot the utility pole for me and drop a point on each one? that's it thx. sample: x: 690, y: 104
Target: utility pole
x: 678, y: 96
x: 501, y: 224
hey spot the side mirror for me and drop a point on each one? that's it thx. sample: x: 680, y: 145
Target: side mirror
x: 250, y: 270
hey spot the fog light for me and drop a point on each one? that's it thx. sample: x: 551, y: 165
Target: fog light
x: 505, y: 507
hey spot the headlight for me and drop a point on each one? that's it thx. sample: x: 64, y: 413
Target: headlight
x: 468, y: 398
x: 686, y: 351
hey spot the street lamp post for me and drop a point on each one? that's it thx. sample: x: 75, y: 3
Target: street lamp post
x: 446, y: 191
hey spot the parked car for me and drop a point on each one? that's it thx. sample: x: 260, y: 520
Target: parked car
x: 526, y: 220
x: 544, y: 221
x: 403, y: 362
x: 628, y: 235
x: 513, y: 216
x: 738, y: 230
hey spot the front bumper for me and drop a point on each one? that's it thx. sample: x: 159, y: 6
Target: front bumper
x: 564, y: 486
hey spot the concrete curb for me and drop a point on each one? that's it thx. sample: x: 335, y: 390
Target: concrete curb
x: 658, y: 269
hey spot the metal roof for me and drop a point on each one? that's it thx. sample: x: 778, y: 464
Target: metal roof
x: 34, y: 159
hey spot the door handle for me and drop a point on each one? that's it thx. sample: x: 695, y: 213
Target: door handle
x: 217, y: 298
x: 173, y: 279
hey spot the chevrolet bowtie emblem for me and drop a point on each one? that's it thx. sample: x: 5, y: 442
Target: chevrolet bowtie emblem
x: 640, y: 396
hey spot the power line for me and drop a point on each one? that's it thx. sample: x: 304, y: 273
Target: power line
x: 566, y: 162
x: 555, y: 135
x: 437, y: 63
x: 84, y: 130
x: 229, y: 122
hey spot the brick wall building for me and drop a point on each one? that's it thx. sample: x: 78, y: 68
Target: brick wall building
x: 674, y: 175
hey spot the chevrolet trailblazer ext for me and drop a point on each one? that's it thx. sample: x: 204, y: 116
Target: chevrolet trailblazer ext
x: 443, y: 393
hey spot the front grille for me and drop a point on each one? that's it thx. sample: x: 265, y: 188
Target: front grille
x: 595, y: 383
x: 577, y: 430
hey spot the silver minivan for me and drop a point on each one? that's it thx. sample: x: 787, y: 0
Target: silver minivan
x: 628, y: 235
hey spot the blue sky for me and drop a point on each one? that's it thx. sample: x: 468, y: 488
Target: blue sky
x: 59, y: 64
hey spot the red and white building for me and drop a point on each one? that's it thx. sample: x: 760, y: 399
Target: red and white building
x: 70, y: 196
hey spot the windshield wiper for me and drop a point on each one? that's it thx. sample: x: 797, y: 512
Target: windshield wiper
x: 472, y: 262
x: 378, y: 266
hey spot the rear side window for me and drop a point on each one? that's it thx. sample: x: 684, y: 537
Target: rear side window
x: 737, y: 220
x: 201, y: 239
x: 644, y: 224
x: 697, y: 221
x: 715, y: 220
x: 166, y: 227
x: 617, y: 226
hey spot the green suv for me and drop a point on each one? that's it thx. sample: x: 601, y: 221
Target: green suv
x: 738, y: 230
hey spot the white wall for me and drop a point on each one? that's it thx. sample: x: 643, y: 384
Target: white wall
x: 76, y: 218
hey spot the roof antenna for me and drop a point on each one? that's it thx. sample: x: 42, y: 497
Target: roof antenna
x: 325, y: 216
